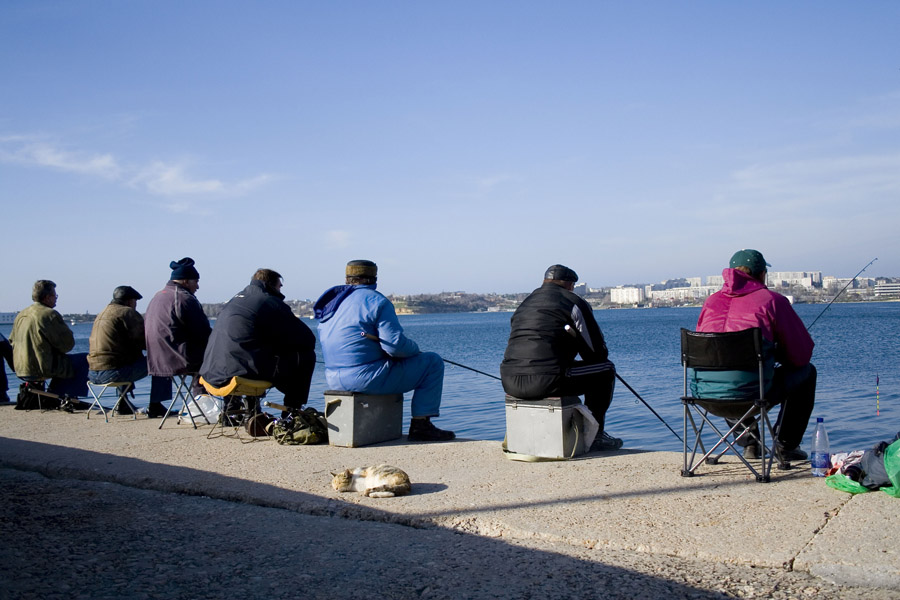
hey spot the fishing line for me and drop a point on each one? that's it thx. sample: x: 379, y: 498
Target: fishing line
x: 374, y: 338
x: 827, y: 306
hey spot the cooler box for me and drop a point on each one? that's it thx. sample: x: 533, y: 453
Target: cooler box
x: 356, y: 419
x: 549, y: 427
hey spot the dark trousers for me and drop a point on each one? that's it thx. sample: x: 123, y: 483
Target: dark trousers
x: 293, y: 375
x: 595, y: 381
x: 76, y: 385
x: 5, y: 355
x: 794, y: 388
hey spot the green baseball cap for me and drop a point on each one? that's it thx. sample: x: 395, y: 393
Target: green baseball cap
x: 752, y: 259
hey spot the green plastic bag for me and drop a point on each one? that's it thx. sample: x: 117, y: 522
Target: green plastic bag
x: 841, y: 482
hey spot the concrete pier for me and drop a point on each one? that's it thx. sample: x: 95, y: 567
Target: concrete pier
x: 168, y: 513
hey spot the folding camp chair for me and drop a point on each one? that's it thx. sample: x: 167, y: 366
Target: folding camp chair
x: 122, y: 387
x: 731, y: 351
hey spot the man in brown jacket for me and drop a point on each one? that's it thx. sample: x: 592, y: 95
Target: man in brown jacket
x: 40, y: 340
x: 117, y: 341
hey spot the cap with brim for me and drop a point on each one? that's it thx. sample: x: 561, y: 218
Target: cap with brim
x: 126, y: 292
x: 361, y: 268
x: 752, y: 259
x: 561, y: 273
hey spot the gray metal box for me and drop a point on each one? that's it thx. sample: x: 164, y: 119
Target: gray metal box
x: 550, y: 427
x: 356, y: 419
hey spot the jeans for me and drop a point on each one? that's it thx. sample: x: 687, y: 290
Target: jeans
x: 132, y: 373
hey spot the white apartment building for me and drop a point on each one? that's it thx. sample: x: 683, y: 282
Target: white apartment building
x: 694, y: 281
x: 626, y: 295
x: 716, y: 280
x: 887, y: 289
x: 685, y: 294
x: 805, y: 279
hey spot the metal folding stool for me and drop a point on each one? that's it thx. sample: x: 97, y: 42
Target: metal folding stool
x: 123, y: 397
x: 183, y: 393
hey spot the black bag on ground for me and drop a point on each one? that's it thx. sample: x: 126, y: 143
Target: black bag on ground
x: 301, y: 426
x: 28, y: 400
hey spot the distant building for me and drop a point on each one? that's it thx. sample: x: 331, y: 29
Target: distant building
x: 684, y: 294
x: 580, y: 289
x: 883, y: 290
x: 626, y: 295
x: 694, y: 281
x: 716, y: 280
x: 804, y: 279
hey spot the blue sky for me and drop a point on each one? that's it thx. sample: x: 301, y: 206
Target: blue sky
x: 460, y: 145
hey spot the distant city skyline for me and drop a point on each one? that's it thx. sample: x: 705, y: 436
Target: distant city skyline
x: 461, y: 146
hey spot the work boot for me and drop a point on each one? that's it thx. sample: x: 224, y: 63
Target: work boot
x: 605, y: 443
x: 423, y: 430
x: 155, y: 410
x: 751, y: 452
x: 794, y: 454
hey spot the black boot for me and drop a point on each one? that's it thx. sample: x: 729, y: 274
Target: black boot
x: 423, y: 430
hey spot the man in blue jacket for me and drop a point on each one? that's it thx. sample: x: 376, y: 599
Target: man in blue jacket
x: 365, y: 350
x: 257, y: 336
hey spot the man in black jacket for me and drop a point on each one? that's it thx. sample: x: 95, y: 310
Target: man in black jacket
x: 256, y: 336
x: 551, y: 327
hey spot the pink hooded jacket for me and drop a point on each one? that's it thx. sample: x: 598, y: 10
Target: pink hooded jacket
x: 744, y: 302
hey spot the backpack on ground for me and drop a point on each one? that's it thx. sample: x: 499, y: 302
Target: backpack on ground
x: 301, y: 426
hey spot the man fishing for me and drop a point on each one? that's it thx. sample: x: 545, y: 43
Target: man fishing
x: 745, y: 302
x: 365, y: 350
x: 540, y: 356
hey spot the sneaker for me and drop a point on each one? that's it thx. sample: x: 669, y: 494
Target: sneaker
x: 155, y: 410
x: 605, y: 442
x: 423, y: 430
x: 794, y: 454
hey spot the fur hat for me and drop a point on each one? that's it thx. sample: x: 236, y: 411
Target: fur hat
x: 361, y: 268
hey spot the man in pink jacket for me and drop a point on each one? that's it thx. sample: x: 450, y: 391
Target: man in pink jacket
x: 745, y: 302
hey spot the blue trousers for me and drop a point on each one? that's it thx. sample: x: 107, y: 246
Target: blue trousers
x: 75, y: 385
x: 422, y: 373
x: 132, y: 373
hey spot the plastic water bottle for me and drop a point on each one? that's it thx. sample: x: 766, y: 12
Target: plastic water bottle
x: 821, y: 454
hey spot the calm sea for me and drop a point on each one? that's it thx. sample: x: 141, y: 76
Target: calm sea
x: 856, y: 345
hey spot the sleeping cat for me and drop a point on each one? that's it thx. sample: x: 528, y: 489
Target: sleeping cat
x: 382, y: 481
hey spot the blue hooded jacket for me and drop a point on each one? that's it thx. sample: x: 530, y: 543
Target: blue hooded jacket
x: 346, y: 314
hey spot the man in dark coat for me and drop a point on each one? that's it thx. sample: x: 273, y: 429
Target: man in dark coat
x: 177, y: 331
x: 256, y: 336
x: 540, y: 356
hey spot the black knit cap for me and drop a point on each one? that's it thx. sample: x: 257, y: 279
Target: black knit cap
x: 126, y: 292
x: 561, y: 273
x: 183, y: 269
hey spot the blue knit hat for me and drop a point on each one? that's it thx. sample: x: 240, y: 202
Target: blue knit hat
x: 183, y: 269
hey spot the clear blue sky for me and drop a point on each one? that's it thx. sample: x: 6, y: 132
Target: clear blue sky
x: 461, y: 145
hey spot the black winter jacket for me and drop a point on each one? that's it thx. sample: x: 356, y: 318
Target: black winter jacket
x: 538, y: 342
x: 254, y: 329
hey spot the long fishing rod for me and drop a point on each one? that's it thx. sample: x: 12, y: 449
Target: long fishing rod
x: 375, y: 338
x: 573, y: 333
x: 840, y: 292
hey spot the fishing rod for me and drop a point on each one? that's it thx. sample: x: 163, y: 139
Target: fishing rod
x: 375, y: 338
x: 573, y: 333
x: 840, y: 292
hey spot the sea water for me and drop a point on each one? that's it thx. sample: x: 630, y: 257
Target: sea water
x: 855, y: 343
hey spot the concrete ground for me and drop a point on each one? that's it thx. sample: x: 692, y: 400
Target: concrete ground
x: 96, y: 510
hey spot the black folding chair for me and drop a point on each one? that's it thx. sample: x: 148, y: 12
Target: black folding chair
x: 731, y: 351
